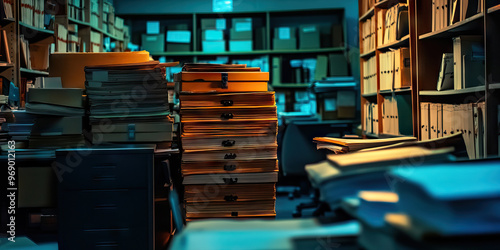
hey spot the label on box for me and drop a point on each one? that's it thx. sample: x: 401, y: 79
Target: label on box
x: 214, y: 35
x: 309, y: 29
x: 220, y: 23
x: 284, y: 33
x: 243, y: 26
x: 153, y: 27
x: 179, y: 36
x: 330, y: 104
x: 151, y: 38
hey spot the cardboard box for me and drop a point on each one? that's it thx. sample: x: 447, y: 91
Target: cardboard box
x: 240, y: 35
x: 346, y: 103
x: 153, y: 27
x: 213, y: 23
x: 284, y: 44
x: 284, y: 33
x: 242, y: 24
x: 178, y: 47
x: 213, y: 46
x: 241, y: 45
x: 260, y: 39
x: 212, y: 35
x: 179, y: 36
x: 154, y: 43
x: 338, y: 64
x: 70, y: 66
x: 309, y: 37
x: 57, y: 125
x: 337, y: 35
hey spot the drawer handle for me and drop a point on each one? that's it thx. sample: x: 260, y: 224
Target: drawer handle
x: 224, y: 79
x: 105, y: 206
x: 226, y: 102
x: 230, y: 180
x: 107, y: 244
x: 228, y: 143
x: 230, y: 198
x: 234, y: 214
x: 229, y: 167
x: 230, y: 156
x: 226, y: 116
x: 104, y: 178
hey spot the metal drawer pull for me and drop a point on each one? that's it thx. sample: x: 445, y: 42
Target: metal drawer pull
x: 229, y: 167
x: 226, y: 102
x: 230, y: 180
x: 226, y: 116
x: 228, y: 143
x: 230, y: 156
x: 230, y: 198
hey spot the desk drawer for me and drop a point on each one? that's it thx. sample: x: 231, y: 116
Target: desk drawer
x: 104, y: 209
x: 105, y: 171
x: 123, y: 238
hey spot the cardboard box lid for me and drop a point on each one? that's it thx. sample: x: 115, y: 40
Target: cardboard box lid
x: 284, y: 33
x: 70, y: 66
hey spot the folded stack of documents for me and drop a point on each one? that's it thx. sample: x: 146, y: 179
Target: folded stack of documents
x: 129, y: 103
x: 448, y: 206
x: 345, y: 175
x: 340, y: 145
x: 229, y: 127
x: 59, y: 116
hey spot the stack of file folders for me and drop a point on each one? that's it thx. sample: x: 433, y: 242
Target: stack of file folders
x: 229, y: 127
x: 59, y: 116
x: 129, y: 103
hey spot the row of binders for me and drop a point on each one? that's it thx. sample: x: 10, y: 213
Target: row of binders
x: 397, y: 115
x: 448, y: 12
x: 464, y: 68
x: 229, y: 129
x: 368, y: 33
x: 371, y: 123
x: 370, y: 75
x: 440, y: 120
x: 392, y: 24
x: 7, y: 9
x: 33, y: 13
x: 395, y: 69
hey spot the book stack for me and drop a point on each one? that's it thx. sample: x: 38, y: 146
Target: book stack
x: 129, y: 103
x: 229, y: 127
x: 59, y: 117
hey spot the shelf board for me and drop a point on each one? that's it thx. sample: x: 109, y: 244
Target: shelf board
x: 5, y: 21
x: 33, y: 73
x: 372, y: 135
x: 368, y: 14
x: 369, y: 95
x: 78, y: 22
x: 494, y: 86
x: 396, y: 44
x: 494, y: 9
x: 253, y: 52
x: 367, y: 54
x: 34, y: 34
x: 395, y: 91
x: 291, y: 85
x: 6, y: 65
x: 452, y: 91
x: 386, y: 4
x: 470, y: 24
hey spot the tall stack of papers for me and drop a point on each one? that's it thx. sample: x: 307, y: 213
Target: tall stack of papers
x: 229, y: 127
x: 59, y: 113
x: 129, y: 103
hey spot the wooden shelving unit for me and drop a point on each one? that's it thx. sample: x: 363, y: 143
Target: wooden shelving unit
x: 430, y: 46
x: 263, y: 27
x: 15, y: 27
x: 379, y: 96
